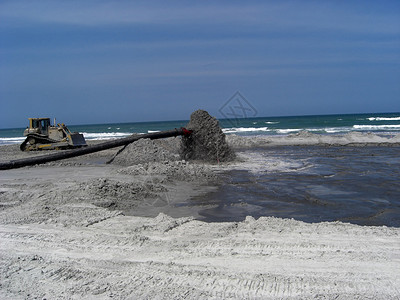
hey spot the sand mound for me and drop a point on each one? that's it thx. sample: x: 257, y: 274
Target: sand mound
x: 207, y: 142
x: 396, y: 138
x: 146, y: 150
x: 302, y: 134
x: 171, y: 170
x: 242, y: 142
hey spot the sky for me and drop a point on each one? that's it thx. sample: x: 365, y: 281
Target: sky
x: 90, y: 62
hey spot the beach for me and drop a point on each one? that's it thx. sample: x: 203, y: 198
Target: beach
x: 200, y: 150
x: 82, y: 228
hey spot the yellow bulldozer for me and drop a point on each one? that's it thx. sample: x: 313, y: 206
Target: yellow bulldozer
x: 41, y: 135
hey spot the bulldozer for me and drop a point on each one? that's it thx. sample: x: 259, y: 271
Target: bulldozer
x: 41, y: 135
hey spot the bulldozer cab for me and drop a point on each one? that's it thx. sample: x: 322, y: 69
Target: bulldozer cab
x: 40, y: 125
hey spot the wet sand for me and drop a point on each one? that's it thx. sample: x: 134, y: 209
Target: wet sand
x: 65, y: 233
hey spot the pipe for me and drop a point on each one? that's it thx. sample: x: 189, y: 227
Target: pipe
x: 13, y: 164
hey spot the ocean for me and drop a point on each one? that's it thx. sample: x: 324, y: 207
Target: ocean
x: 380, y: 123
x: 311, y: 183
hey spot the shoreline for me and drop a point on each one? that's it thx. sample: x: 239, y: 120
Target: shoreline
x: 302, y: 138
x: 306, y: 138
x: 62, y: 225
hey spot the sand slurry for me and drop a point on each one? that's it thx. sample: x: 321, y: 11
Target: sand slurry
x: 207, y: 141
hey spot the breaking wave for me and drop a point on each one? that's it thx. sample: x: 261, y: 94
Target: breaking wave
x: 382, y: 124
x: 112, y: 135
x: 105, y: 135
x: 11, y: 140
x: 377, y: 127
x: 245, y: 129
x: 384, y: 119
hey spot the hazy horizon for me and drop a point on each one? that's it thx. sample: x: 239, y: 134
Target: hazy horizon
x: 220, y: 119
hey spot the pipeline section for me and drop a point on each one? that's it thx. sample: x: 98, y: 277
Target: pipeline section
x: 19, y: 163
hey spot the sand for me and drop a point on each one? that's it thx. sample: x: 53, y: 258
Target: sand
x: 207, y: 141
x: 66, y: 233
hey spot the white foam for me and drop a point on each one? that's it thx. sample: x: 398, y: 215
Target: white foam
x: 258, y: 163
x: 244, y: 129
x: 337, y: 129
x: 11, y: 140
x: 377, y: 127
x: 270, y: 122
x: 88, y: 136
x: 285, y: 131
x: 289, y: 130
x: 105, y: 135
x: 384, y: 119
x: 152, y: 131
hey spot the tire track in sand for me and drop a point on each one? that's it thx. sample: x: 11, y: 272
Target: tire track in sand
x: 131, y: 257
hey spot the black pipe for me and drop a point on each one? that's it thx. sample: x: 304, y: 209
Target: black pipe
x: 13, y: 164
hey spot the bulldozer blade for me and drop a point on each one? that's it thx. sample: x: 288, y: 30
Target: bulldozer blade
x: 77, y: 140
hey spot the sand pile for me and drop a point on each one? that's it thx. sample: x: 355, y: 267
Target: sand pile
x: 146, y: 150
x: 396, y: 138
x: 207, y: 142
x: 117, y: 195
x: 240, y: 142
x: 171, y: 170
x: 302, y: 134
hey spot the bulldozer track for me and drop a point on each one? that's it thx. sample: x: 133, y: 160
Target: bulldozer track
x: 35, y: 140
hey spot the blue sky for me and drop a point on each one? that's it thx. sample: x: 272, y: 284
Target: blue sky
x: 90, y: 62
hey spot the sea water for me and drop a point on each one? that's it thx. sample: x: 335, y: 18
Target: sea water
x: 381, y: 123
x: 360, y: 185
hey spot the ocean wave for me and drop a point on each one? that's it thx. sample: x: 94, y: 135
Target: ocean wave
x: 87, y: 135
x: 384, y: 119
x: 318, y: 130
x: 11, y: 140
x: 337, y: 129
x: 244, y: 129
x: 286, y: 131
x: 105, y: 135
x: 270, y: 122
x: 377, y: 127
